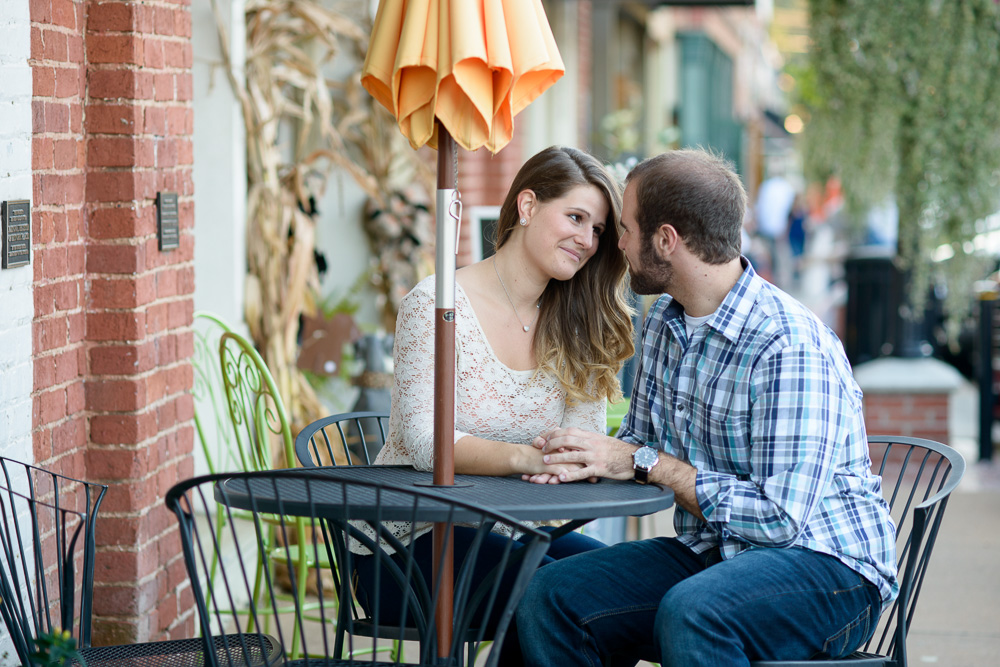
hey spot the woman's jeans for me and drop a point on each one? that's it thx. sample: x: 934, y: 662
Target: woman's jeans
x: 391, y: 598
x: 657, y: 600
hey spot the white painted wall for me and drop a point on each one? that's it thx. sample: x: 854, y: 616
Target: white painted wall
x: 552, y: 119
x: 219, y: 165
x: 16, y: 303
x: 219, y: 180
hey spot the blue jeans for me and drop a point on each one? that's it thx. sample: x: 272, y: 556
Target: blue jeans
x: 391, y: 597
x: 657, y: 600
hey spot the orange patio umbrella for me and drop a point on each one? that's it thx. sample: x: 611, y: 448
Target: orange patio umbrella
x: 469, y: 65
x: 456, y: 71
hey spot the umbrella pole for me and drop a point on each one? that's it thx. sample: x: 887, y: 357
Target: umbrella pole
x: 444, y: 378
x: 444, y: 315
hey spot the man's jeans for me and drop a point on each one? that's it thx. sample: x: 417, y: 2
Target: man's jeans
x: 657, y: 600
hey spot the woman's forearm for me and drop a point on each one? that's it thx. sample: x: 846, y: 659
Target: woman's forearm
x: 478, y: 456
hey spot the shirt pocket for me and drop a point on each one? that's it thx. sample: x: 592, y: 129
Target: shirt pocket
x: 719, y: 430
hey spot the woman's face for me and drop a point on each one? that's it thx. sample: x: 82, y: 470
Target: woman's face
x: 562, y: 234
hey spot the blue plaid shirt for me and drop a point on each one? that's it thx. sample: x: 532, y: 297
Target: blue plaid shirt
x: 762, y: 401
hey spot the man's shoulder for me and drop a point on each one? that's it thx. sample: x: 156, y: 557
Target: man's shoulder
x: 778, y: 314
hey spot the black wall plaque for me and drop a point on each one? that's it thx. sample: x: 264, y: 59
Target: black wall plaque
x: 16, y: 230
x: 168, y: 229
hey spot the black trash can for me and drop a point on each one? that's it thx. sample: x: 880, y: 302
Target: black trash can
x: 877, y: 318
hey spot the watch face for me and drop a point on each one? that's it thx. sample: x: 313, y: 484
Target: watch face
x: 645, y: 457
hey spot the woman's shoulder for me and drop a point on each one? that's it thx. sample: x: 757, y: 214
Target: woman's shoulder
x: 425, y: 286
x: 419, y: 295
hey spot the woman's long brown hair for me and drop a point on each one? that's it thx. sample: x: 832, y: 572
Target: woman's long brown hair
x: 584, y: 331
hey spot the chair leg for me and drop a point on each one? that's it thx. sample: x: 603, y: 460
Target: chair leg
x: 301, y: 579
x: 396, y: 654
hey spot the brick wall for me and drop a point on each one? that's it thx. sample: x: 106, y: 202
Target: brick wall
x: 908, y: 397
x: 59, y: 435
x: 112, y: 338
x: 916, y: 415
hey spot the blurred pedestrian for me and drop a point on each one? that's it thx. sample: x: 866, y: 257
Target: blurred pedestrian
x: 772, y: 210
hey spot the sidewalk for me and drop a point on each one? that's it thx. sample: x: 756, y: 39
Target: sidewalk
x: 957, y: 620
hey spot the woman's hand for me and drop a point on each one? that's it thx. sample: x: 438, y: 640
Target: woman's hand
x: 541, y: 472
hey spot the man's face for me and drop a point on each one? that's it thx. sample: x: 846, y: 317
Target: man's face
x: 649, y: 273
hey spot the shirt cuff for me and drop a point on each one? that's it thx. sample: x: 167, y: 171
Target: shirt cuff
x: 712, y: 490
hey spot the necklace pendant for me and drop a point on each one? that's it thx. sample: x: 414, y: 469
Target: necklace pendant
x: 526, y: 328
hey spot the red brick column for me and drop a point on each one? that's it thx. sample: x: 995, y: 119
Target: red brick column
x: 59, y: 426
x: 113, y: 123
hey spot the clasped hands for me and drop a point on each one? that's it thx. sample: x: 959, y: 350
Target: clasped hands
x: 574, y: 454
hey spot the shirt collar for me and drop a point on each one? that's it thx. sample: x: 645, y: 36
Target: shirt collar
x: 732, y: 313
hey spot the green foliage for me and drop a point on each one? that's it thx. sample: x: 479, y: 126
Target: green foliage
x: 56, y: 648
x: 347, y: 300
x: 904, y: 99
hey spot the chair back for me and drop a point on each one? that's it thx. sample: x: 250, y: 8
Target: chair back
x: 345, y: 438
x: 341, y: 515
x: 918, y: 476
x: 211, y: 412
x: 256, y: 411
x: 46, y: 554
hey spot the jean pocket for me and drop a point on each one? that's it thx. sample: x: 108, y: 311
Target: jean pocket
x: 847, y: 640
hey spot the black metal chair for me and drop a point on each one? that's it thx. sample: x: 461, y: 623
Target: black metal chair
x: 47, y: 551
x: 341, y: 515
x: 917, y: 478
x: 348, y: 437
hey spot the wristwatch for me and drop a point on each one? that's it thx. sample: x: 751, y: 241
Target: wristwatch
x: 643, y: 460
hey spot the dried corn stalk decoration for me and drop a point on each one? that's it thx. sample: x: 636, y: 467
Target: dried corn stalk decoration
x: 299, y: 127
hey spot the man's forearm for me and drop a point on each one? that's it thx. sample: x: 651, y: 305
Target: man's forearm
x: 680, y: 477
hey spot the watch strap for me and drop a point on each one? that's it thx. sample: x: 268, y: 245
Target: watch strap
x: 641, y: 475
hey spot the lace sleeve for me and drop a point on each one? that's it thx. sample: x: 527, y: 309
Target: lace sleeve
x: 412, y: 419
x: 589, y: 416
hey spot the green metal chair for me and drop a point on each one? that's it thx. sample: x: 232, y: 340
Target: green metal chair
x: 260, y: 429
x: 211, y: 412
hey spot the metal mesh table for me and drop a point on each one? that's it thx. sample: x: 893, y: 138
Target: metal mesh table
x: 579, y: 502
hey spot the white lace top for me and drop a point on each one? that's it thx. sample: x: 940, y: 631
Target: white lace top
x: 491, y: 400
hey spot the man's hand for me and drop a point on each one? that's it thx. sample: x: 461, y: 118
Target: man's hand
x: 540, y: 470
x: 593, y: 455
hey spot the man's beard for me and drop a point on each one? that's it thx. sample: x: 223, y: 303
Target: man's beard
x: 655, y: 274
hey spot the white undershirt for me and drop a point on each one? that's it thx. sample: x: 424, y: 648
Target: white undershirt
x: 693, y: 323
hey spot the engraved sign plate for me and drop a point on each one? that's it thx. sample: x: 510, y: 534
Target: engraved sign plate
x: 168, y: 228
x: 16, y: 217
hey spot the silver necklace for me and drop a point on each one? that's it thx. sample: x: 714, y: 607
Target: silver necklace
x: 524, y: 326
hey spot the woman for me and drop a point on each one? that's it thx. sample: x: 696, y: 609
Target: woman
x: 542, y: 328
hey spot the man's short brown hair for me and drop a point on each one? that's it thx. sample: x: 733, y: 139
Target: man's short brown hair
x: 699, y: 194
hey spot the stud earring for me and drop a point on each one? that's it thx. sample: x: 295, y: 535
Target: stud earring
x: 524, y: 222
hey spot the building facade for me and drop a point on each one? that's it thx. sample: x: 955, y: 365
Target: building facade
x: 116, y: 115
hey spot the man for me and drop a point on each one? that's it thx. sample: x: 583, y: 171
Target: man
x: 746, y: 407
